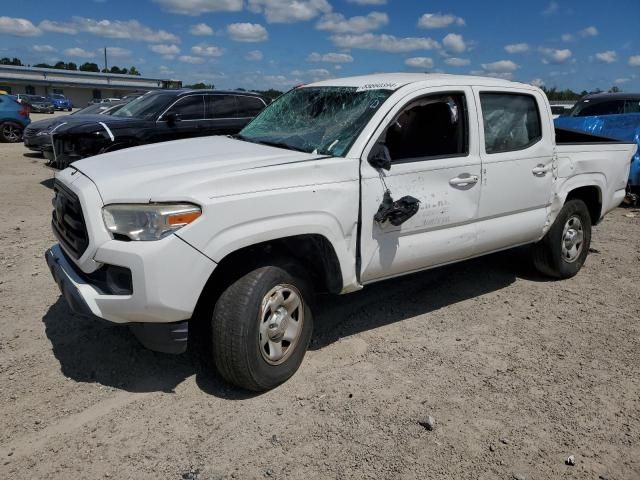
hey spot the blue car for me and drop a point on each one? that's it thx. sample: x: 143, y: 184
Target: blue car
x: 14, y: 118
x: 60, y: 102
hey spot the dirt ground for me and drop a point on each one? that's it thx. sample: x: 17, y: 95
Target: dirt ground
x: 517, y: 371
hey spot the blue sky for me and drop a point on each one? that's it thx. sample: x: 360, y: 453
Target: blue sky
x: 278, y: 43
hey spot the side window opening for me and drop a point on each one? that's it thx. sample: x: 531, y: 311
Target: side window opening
x: 188, y: 108
x: 221, y: 106
x: 511, y: 121
x: 433, y: 126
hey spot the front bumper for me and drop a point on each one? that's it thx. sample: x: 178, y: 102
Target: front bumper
x: 158, y: 309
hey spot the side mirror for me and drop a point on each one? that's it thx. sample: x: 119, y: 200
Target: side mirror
x: 379, y: 157
x: 171, y: 119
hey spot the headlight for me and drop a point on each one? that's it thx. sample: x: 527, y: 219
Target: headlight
x: 43, y: 132
x: 148, y: 221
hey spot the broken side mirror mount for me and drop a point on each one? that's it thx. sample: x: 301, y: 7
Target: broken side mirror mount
x: 379, y: 157
x: 396, y: 212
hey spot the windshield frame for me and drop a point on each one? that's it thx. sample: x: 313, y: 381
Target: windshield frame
x: 163, y: 98
x: 344, y: 150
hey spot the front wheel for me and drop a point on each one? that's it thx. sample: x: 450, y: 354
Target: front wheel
x: 10, y: 132
x: 564, y: 249
x: 261, y: 327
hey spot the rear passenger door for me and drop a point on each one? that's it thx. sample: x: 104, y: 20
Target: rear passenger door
x: 222, y: 115
x: 516, y: 150
x: 249, y: 107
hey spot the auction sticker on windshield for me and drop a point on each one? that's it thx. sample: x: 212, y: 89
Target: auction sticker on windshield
x: 378, y: 86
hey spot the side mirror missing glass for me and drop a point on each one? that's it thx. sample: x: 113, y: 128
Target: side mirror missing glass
x: 379, y: 157
x: 171, y: 119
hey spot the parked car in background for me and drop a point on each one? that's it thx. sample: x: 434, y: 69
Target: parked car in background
x: 103, y: 100
x: 14, y: 118
x: 60, y: 102
x: 246, y: 228
x: 560, y: 110
x: 599, y: 104
x: 156, y: 116
x: 132, y: 96
x: 36, y: 103
x: 611, y: 115
x: 37, y: 136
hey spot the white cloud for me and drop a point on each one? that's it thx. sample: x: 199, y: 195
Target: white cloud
x: 204, y: 50
x: 368, y: 2
x: 551, y: 8
x: 18, y: 26
x: 634, y: 61
x: 124, y: 29
x: 589, y: 32
x: 537, y: 82
x: 337, y: 23
x: 553, y: 55
x: 44, y: 48
x: 502, y: 75
x: 197, y: 7
x: 287, y: 11
x: 201, y: 30
x: 163, y: 49
x: 606, y: 57
x: 330, y: 57
x: 457, y: 62
x: 190, y: 59
x: 517, y: 48
x: 620, y: 81
x: 439, y: 20
x: 165, y: 70
x: 419, y: 62
x: 247, y: 32
x: 79, y: 52
x: 500, y: 66
x: 567, y: 37
x: 116, y: 52
x: 58, y: 27
x: 454, y: 43
x: 384, y: 42
x: 254, y: 56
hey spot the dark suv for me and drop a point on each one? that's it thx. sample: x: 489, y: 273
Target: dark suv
x: 606, y: 104
x: 156, y: 116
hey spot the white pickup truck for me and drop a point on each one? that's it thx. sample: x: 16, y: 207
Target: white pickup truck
x: 334, y: 186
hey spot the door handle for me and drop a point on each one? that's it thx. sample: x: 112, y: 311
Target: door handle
x: 464, y: 180
x: 540, y: 170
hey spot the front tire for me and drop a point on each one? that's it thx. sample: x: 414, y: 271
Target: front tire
x: 261, y: 327
x: 564, y: 249
x: 10, y: 132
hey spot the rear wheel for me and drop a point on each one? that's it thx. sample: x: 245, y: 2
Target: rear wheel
x: 10, y: 132
x: 564, y: 249
x: 261, y: 327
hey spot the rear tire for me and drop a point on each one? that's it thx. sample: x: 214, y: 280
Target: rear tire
x: 261, y: 327
x: 10, y: 132
x: 564, y: 249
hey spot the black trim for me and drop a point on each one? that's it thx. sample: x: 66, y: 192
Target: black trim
x: 68, y: 221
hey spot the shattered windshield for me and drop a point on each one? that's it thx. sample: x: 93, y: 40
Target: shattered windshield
x: 324, y: 120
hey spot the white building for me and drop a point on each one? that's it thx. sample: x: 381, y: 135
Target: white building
x: 80, y: 87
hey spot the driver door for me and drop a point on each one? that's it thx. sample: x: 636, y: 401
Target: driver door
x: 431, y: 137
x: 189, y: 113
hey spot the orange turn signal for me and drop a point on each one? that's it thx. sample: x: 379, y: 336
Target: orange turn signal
x: 182, y: 218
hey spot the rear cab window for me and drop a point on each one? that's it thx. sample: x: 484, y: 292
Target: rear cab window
x: 511, y: 121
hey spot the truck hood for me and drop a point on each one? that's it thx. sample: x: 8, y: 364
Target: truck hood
x: 89, y: 123
x: 191, y: 169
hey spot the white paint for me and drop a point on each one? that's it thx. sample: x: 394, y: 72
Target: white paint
x: 253, y: 193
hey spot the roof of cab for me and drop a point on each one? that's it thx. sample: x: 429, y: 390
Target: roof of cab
x: 394, y: 81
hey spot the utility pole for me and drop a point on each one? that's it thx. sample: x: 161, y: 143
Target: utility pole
x: 106, y: 67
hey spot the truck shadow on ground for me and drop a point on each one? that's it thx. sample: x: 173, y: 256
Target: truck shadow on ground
x: 96, y: 352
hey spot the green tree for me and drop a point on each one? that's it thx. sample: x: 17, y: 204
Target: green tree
x: 201, y: 86
x: 72, y: 66
x: 134, y: 71
x: 60, y: 66
x: 89, y: 67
